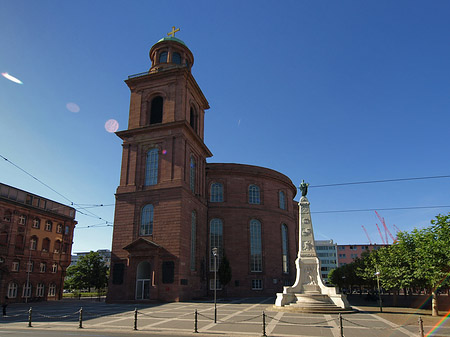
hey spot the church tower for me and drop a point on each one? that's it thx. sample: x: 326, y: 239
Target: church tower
x: 158, y: 250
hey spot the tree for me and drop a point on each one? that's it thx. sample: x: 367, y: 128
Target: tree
x: 224, y: 271
x: 89, y: 272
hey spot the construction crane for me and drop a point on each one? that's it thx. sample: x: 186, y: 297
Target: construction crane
x: 396, y: 228
x: 386, y: 230
x: 367, y: 234
x: 381, y: 236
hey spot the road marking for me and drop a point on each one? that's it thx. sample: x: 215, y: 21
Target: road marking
x: 335, y: 330
x: 273, y: 323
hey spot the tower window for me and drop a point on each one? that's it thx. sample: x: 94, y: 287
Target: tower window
x: 151, y: 168
x: 285, y: 248
x: 192, y: 174
x: 156, y: 110
x: 254, y: 195
x: 176, y: 58
x: 282, y: 200
x: 147, y: 220
x: 255, y: 246
x: 216, y: 192
x: 163, y: 57
x: 193, y: 119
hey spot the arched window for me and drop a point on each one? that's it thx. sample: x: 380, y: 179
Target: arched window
x: 215, y: 241
x: 282, y: 200
x: 52, y: 290
x: 57, y: 248
x: 193, y: 238
x: 22, y: 219
x: 156, y: 110
x: 193, y: 120
x: 253, y: 194
x: 46, y: 245
x: 285, y: 248
x: 40, y: 290
x: 12, y: 290
x: 255, y: 246
x: 26, y: 290
x: 48, y: 226
x: 54, y: 268
x: 7, y: 216
x: 30, y: 266
x: 36, y: 223
x: 43, y: 267
x: 33, y: 242
x: 163, y: 57
x: 176, y: 58
x: 192, y: 174
x: 151, y: 167
x: 59, y: 228
x: 147, y: 220
x: 216, y: 194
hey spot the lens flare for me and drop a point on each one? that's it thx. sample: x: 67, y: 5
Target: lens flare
x: 12, y: 78
x: 164, y: 151
x: 72, y: 107
x: 111, y: 125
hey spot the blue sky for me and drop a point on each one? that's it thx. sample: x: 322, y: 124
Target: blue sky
x: 326, y: 91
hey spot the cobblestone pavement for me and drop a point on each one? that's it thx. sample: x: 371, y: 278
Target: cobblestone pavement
x: 240, y: 317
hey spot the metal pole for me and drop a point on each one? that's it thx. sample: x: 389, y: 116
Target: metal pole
x: 214, y: 251
x: 195, y: 321
x: 264, y: 325
x: 30, y: 311
x: 341, y: 326
x: 135, y: 318
x: 421, y: 333
x: 80, y: 318
x: 379, y: 293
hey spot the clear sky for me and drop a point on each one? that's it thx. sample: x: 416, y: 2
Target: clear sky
x: 326, y: 91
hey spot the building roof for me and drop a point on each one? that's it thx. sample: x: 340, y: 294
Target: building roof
x: 170, y: 38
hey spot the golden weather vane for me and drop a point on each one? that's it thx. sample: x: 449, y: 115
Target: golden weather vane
x: 173, y: 31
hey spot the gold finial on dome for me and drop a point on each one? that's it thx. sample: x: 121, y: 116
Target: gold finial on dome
x: 173, y: 31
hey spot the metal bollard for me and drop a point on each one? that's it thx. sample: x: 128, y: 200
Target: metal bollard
x: 421, y: 333
x: 341, y: 326
x: 195, y: 321
x: 80, y: 318
x: 264, y: 325
x: 135, y: 318
x: 30, y: 311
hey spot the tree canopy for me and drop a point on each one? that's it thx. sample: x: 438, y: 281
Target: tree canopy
x: 90, y: 271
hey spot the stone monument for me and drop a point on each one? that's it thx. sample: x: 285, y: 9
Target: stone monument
x: 309, y: 293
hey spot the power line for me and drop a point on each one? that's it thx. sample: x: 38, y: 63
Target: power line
x: 380, y: 181
x: 380, y: 209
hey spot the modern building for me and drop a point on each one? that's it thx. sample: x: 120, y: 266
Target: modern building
x: 35, y: 245
x: 327, y: 253
x: 347, y: 253
x: 104, y: 253
x: 173, y: 208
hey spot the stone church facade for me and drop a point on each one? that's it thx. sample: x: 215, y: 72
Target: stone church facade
x: 173, y: 208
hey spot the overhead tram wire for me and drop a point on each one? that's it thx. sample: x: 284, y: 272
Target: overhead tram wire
x: 379, y: 209
x: 61, y: 195
x: 379, y: 181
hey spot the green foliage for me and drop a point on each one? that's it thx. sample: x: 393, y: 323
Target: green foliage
x: 89, y: 272
x: 224, y: 272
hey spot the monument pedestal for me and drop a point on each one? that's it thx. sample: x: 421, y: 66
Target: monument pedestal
x: 309, y: 293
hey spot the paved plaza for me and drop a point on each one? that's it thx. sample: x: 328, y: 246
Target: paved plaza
x: 239, y: 317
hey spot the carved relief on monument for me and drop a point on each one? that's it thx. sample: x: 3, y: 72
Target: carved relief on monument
x: 306, y: 221
x: 306, y: 231
x: 307, y: 245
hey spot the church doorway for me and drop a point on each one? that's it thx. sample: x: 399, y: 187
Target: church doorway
x: 143, y: 275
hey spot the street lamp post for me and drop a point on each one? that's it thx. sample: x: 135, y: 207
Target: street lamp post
x: 214, y: 251
x: 379, y: 293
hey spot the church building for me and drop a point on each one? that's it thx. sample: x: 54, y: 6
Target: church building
x: 173, y: 208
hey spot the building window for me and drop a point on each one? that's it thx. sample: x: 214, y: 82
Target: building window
x: 30, y: 266
x: 257, y: 285
x: 7, y: 216
x: 52, y: 290
x: 57, y: 247
x: 40, y: 290
x: 54, y: 267
x: 216, y: 192
x: 26, y: 290
x: 218, y: 285
x: 46, y: 245
x: 12, y: 290
x: 33, y: 243
x: 147, y: 220
x: 163, y: 57
x: 59, y: 228
x: 282, y: 200
x: 151, y: 167
x: 67, y: 230
x: 255, y: 246
x: 192, y: 174
x: 254, y: 195
x: 285, y: 248
x: 176, y: 58
x: 43, y: 267
x: 156, y: 110
x: 22, y: 220
x: 193, y: 238
x: 215, y: 241
x: 341, y: 247
x: 48, y: 226
x: 193, y: 119
x: 36, y: 223
x: 15, y: 266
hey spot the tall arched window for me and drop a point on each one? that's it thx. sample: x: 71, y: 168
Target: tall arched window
x: 176, y: 58
x: 255, y: 246
x: 156, y: 110
x: 46, y: 245
x: 151, y: 167
x: 12, y: 290
x: 282, y: 200
x: 193, y: 119
x: 215, y: 241
x: 253, y: 194
x: 33, y: 242
x: 26, y: 290
x: 163, y: 57
x: 285, y: 248
x: 40, y: 290
x: 52, y: 290
x: 192, y: 174
x: 193, y: 238
x: 147, y: 220
x: 216, y: 194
